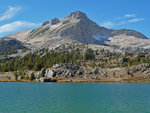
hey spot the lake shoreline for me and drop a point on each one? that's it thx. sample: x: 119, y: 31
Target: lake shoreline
x: 86, y: 81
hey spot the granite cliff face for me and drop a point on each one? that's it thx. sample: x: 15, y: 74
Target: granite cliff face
x: 78, y: 28
x: 7, y: 44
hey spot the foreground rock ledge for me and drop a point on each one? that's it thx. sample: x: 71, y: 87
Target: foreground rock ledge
x: 75, y: 73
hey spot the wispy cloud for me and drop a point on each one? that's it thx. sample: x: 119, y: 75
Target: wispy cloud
x: 10, y: 13
x: 108, y: 24
x: 136, y: 20
x: 130, y: 15
x: 126, y: 19
x: 16, y: 26
x: 126, y: 16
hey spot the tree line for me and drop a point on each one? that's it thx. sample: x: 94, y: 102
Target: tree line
x: 36, y: 62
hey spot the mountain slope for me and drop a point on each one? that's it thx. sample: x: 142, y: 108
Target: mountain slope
x: 77, y: 27
x: 7, y: 44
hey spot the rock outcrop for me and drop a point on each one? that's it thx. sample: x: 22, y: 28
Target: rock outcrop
x: 61, y: 70
x: 7, y: 44
x: 75, y: 72
x: 54, y: 21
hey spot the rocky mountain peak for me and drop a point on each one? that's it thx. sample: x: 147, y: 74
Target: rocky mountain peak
x: 45, y: 23
x: 77, y: 15
x: 78, y: 27
x: 55, y: 21
x: 128, y: 32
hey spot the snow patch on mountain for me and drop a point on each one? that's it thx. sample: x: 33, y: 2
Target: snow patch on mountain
x: 100, y: 37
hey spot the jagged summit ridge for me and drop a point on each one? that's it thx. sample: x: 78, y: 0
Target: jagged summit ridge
x: 78, y: 15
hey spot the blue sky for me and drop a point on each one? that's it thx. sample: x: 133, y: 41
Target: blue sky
x: 16, y: 15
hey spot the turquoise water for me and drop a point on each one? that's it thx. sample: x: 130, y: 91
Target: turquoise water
x: 74, y: 98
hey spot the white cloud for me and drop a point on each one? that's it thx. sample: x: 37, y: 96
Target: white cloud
x: 130, y: 21
x: 126, y: 16
x: 136, y: 20
x: 108, y: 24
x: 16, y: 26
x: 10, y: 13
x: 129, y: 15
x: 122, y: 22
x: 126, y: 19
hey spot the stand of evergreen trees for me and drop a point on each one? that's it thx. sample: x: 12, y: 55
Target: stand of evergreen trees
x: 36, y: 62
